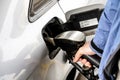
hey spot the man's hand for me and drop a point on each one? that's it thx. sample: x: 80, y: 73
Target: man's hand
x: 84, y: 50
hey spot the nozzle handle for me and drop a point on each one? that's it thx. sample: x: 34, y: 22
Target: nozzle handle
x: 93, y: 59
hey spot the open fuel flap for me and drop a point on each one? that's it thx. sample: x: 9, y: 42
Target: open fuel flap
x: 71, y: 35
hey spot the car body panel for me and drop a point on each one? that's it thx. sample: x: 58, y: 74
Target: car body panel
x: 23, y: 53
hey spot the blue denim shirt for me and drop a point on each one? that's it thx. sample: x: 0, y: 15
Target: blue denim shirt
x: 107, y: 36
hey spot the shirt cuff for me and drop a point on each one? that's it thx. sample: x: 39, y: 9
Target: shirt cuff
x: 94, y: 48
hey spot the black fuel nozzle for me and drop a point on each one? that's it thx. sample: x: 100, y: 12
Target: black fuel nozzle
x: 71, y: 41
